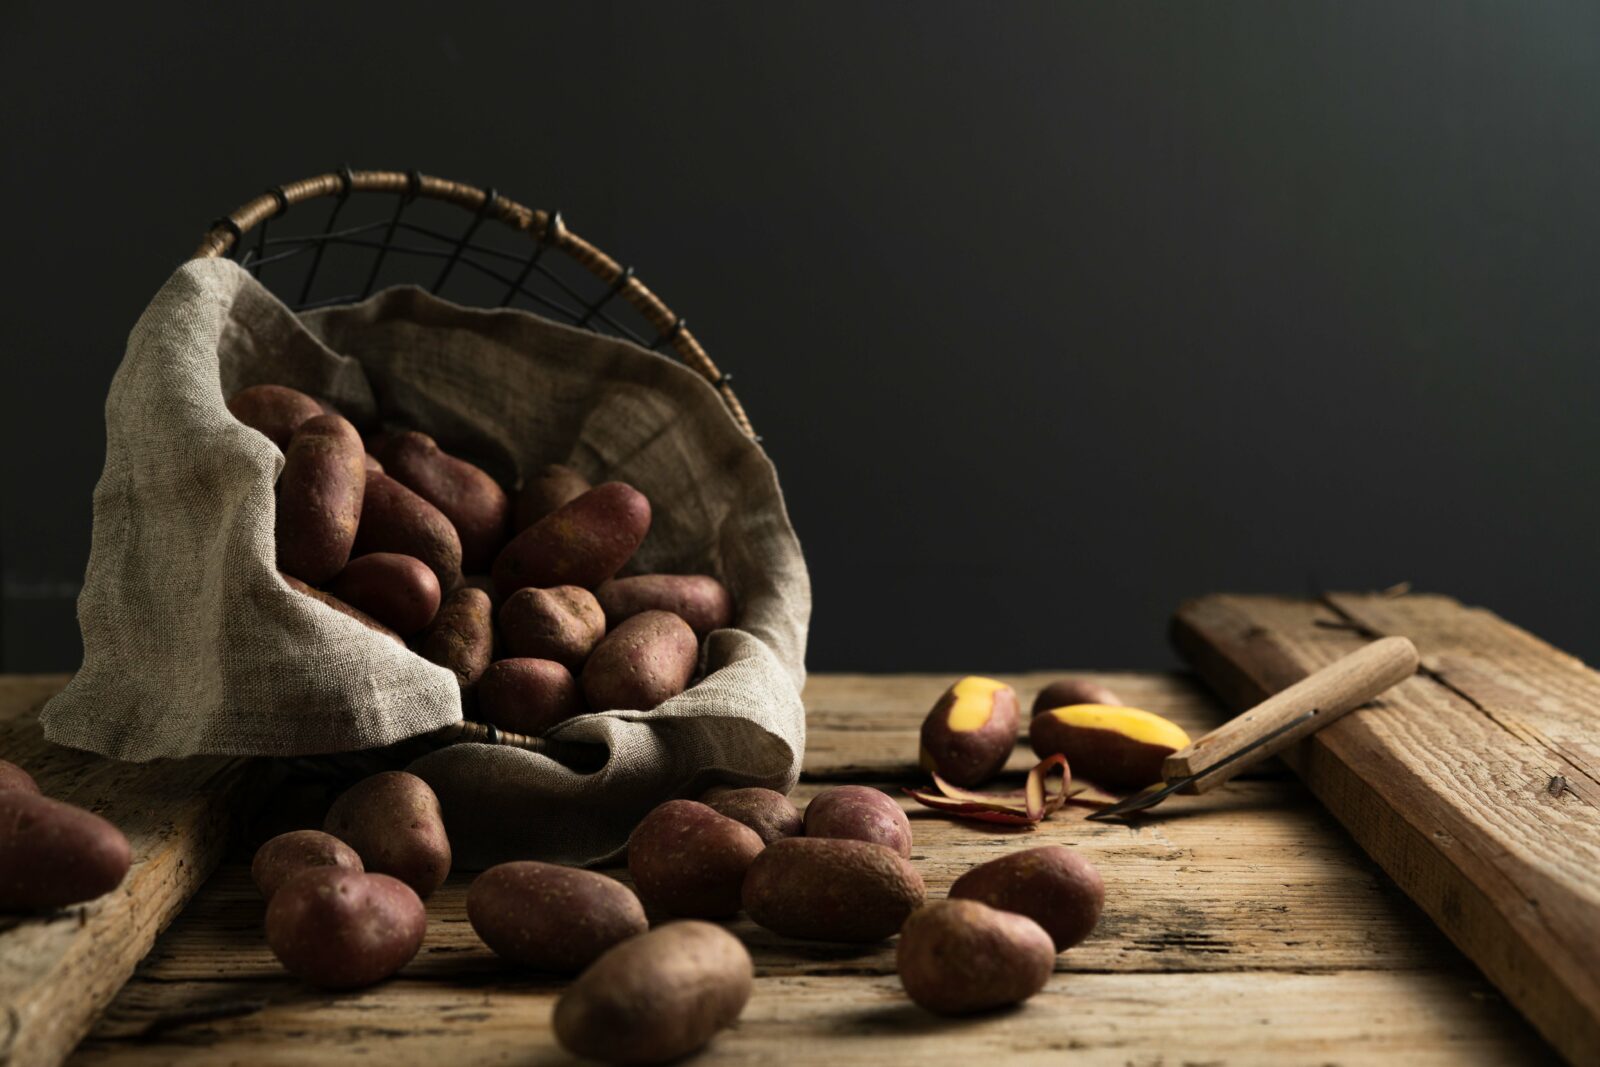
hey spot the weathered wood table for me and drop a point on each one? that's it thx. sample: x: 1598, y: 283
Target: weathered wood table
x: 1240, y: 927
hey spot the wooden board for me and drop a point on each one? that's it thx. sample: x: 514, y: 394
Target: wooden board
x: 58, y: 971
x: 1241, y: 928
x: 1475, y: 785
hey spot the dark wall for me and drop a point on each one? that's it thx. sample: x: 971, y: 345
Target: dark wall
x: 1050, y: 315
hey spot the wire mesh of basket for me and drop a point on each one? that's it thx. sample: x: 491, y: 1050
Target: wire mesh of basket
x: 380, y: 223
x: 384, y: 227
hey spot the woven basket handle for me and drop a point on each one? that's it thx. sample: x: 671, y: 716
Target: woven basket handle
x: 226, y: 235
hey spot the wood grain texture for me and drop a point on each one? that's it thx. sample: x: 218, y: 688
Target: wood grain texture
x: 1241, y: 927
x: 1447, y: 780
x: 1101, y: 1020
x: 1282, y: 719
x: 59, y: 970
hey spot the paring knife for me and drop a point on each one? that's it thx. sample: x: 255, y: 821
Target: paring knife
x: 1278, y: 722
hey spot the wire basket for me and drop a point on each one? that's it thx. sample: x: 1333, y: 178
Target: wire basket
x: 530, y: 260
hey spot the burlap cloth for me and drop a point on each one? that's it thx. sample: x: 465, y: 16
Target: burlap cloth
x: 193, y: 645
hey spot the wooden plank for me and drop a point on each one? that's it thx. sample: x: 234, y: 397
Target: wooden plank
x: 1241, y: 927
x: 1448, y: 780
x: 1249, y: 1017
x: 1191, y: 893
x: 58, y: 971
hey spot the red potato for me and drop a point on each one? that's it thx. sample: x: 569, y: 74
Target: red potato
x: 461, y: 636
x: 341, y: 607
x: 1052, y: 885
x: 1116, y: 748
x: 657, y: 997
x: 472, y: 500
x: 342, y: 929
x: 286, y: 855
x: 372, y: 463
x: 528, y: 696
x: 549, y: 917
x: 320, y: 495
x: 766, y: 811
x: 584, y: 542
x: 649, y: 659
x: 689, y: 861
x: 399, y: 591
x: 698, y: 599
x: 486, y: 583
x: 14, y: 777
x: 394, y: 823
x: 859, y: 813
x: 831, y: 890
x: 1064, y: 692
x: 960, y: 956
x: 563, y: 624
x: 275, y: 410
x: 53, y: 854
x: 394, y: 519
x: 971, y: 731
x: 553, y: 486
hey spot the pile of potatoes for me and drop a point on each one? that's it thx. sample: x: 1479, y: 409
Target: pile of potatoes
x: 843, y: 872
x: 521, y: 600
x: 344, y: 903
x: 972, y: 729
x: 345, y: 908
x: 52, y: 853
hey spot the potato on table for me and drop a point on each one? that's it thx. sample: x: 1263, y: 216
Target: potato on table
x: 656, y: 997
x: 320, y: 497
x: 1065, y: 692
x: 549, y: 917
x: 583, y: 542
x: 341, y: 929
x: 286, y: 855
x: 689, y: 861
x: 649, y: 659
x: 552, y: 486
x: 394, y: 519
x: 1054, y: 886
x: 14, y: 777
x: 960, y: 956
x: 472, y: 500
x: 527, y: 696
x: 971, y: 731
x: 766, y: 811
x: 859, y: 813
x: 461, y: 636
x: 1114, y: 747
x: 275, y: 410
x: 394, y: 823
x: 399, y: 591
x: 53, y: 854
x: 698, y: 599
x: 824, y: 889
x: 564, y: 624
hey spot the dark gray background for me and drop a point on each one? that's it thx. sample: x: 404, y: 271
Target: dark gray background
x: 1051, y: 315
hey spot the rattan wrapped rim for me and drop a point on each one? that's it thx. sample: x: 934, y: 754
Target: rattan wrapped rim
x: 542, y: 226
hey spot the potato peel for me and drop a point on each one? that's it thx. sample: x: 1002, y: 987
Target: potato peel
x: 1037, y: 803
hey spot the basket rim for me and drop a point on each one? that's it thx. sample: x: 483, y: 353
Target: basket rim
x: 546, y: 227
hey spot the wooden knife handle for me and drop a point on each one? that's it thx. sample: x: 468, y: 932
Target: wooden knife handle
x: 1339, y: 687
